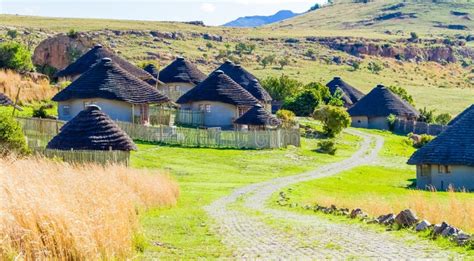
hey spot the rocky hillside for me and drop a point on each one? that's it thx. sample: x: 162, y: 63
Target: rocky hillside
x: 258, y: 20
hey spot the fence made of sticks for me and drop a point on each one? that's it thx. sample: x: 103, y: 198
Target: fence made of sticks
x: 87, y: 156
x: 405, y: 127
x: 40, y: 131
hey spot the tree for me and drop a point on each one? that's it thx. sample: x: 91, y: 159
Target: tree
x: 15, y: 56
x: 443, y: 118
x: 12, y: 34
x: 209, y: 45
x: 11, y: 136
x: 267, y: 60
x: 304, y: 103
x: 402, y: 93
x: 281, y: 88
x: 355, y: 65
x: 336, y: 98
x: 334, y: 119
x: 374, y: 67
x: 426, y: 115
x: 284, y: 62
x: 414, y: 37
x: 242, y: 48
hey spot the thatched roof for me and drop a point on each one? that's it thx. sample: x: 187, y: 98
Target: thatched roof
x: 108, y: 80
x: 457, y: 118
x: 247, y: 80
x: 5, y: 101
x: 220, y: 88
x: 350, y: 94
x: 257, y: 115
x: 454, y: 146
x: 181, y: 71
x: 94, y: 55
x: 381, y: 102
x: 92, y: 129
x: 151, y: 69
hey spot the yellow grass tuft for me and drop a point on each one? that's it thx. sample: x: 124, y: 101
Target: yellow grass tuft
x: 52, y: 210
x: 31, y: 91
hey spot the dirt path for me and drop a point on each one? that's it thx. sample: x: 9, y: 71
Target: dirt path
x: 263, y: 236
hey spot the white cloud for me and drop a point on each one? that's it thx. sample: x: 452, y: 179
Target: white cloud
x: 208, y: 7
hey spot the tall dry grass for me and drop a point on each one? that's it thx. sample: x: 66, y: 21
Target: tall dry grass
x: 31, y: 90
x: 456, y: 208
x: 51, y: 210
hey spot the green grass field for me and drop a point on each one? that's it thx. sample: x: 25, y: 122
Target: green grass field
x: 205, y: 175
x: 386, y: 187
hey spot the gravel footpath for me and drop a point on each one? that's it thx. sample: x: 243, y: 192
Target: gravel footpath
x: 310, y: 236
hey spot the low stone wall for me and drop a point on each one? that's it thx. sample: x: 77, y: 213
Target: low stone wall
x: 405, y: 127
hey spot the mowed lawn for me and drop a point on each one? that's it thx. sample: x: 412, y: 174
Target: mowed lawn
x: 204, y: 175
x: 386, y: 187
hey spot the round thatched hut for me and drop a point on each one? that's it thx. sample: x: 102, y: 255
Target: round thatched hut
x: 257, y: 118
x: 92, y: 129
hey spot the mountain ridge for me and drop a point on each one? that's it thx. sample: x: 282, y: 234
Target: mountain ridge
x: 260, y: 20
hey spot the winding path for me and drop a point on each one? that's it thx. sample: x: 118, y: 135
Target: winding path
x: 262, y: 236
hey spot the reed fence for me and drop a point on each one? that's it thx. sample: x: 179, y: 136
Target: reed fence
x: 40, y: 131
x: 88, y: 156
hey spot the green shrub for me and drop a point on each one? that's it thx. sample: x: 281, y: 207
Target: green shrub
x: 334, y: 119
x: 426, y: 115
x: 391, y: 121
x: 11, y: 136
x: 304, y: 103
x: 41, y: 112
x: 15, y: 56
x: 73, y: 33
x: 281, y: 88
x: 327, y: 147
x: 403, y: 94
x: 12, y: 34
x: 443, y: 118
x: 287, y: 117
x: 425, y: 139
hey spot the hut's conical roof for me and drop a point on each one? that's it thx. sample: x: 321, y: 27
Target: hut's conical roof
x: 92, y: 129
x: 457, y: 118
x: 351, y: 95
x: 381, y: 102
x: 181, y: 71
x: 257, y: 115
x: 220, y: 88
x: 151, y: 69
x: 454, y: 146
x: 95, y: 55
x: 110, y: 81
x: 247, y: 80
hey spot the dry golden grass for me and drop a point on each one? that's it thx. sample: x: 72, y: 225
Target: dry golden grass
x: 456, y: 208
x: 52, y: 210
x: 31, y: 90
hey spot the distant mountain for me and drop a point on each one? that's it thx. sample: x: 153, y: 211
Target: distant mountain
x: 254, y: 21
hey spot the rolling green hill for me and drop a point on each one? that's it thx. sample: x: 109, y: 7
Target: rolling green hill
x: 383, y: 18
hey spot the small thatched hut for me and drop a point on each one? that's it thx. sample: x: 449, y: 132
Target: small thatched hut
x: 92, y: 129
x: 257, y: 118
x: 220, y: 98
x: 120, y: 94
x: 95, y: 55
x: 179, y: 77
x: 374, y: 108
x: 448, y: 160
x: 5, y: 101
x: 248, y: 81
x: 350, y: 94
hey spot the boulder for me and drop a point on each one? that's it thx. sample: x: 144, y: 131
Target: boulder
x: 59, y: 51
x: 462, y: 239
x: 423, y: 225
x: 358, y: 213
x: 406, y: 218
x: 388, y: 219
x: 450, y: 231
x: 438, y: 228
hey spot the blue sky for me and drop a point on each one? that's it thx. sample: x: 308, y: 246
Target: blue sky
x: 212, y: 12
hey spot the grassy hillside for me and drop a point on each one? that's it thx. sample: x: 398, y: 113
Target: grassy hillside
x: 370, y: 20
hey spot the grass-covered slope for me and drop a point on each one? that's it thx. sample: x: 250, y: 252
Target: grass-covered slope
x: 373, y: 19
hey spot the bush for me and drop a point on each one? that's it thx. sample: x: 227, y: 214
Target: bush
x: 15, y: 56
x: 281, y: 88
x: 374, y: 67
x: 427, y: 116
x: 403, y: 94
x: 424, y: 139
x: 327, y: 147
x: 304, y: 103
x: 40, y: 112
x: 443, y: 118
x: 267, y: 60
x: 288, y: 118
x: 391, y: 121
x: 73, y: 33
x: 334, y: 119
x: 11, y: 136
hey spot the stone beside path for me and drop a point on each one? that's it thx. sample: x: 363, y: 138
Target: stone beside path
x: 310, y: 236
